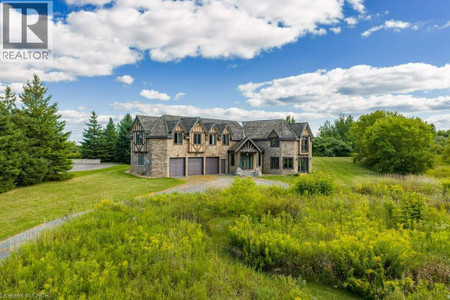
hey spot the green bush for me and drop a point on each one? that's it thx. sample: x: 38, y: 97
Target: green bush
x: 316, y: 183
x: 134, y: 251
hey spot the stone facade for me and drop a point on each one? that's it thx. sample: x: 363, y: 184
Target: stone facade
x: 159, y: 149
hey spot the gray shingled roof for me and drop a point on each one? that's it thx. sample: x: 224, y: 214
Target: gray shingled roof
x: 298, y: 128
x: 235, y: 128
x: 262, y: 129
x: 256, y: 130
x: 147, y: 122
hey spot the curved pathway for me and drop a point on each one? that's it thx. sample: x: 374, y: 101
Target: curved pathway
x: 193, y: 184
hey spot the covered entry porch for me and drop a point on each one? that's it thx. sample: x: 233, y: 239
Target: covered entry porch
x: 245, y: 155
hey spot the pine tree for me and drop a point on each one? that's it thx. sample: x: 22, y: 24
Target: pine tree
x: 110, y: 136
x: 93, y: 144
x: 48, y: 148
x: 11, y: 143
x: 123, y: 144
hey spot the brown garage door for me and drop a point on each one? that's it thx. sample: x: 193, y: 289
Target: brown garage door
x: 212, y: 165
x: 176, y: 167
x: 195, y: 166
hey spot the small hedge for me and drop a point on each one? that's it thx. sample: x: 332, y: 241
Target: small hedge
x: 313, y: 184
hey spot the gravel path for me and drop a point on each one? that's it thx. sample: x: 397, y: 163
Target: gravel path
x: 203, y: 183
x: 194, y: 184
x: 14, y: 242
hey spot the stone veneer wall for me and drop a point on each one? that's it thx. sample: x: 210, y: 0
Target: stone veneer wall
x: 286, y: 149
x: 161, y: 150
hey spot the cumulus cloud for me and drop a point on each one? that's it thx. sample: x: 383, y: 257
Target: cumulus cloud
x: 154, y: 95
x: 440, y: 121
x: 95, y: 41
x: 391, y: 24
x: 126, y: 79
x: 336, y: 30
x: 355, y: 90
x: 84, y: 2
x: 232, y: 113
x: 179, y: 95
x: 357, y: 5
x: 351, y: 21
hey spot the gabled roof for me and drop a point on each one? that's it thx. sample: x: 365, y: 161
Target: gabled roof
x: 147, y: 122
x: 239, y: 145
x: 262, y: 129
x: 299, y: 128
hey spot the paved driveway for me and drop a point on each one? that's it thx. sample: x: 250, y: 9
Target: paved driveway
x: 193, y: 184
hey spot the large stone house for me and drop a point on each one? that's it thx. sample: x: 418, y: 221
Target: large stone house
x: 172, y: 146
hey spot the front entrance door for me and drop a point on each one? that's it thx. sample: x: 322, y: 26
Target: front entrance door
x: 303, y: 165
x: 246, y: 161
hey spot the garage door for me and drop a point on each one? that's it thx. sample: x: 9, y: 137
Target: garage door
x: 212, y: 165
x: 176, y: 167
x: 195, y: 166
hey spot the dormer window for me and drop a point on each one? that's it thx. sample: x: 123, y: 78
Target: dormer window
x: 226, y: 140
x: 197, y: 138
x: 178, y: 138
x: 139, y: 137
x: 274, y: 142
x: 212, y: 139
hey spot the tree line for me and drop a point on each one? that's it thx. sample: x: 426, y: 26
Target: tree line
x: 34, y: 145
x: 385, y: 141
x: 110, y: 144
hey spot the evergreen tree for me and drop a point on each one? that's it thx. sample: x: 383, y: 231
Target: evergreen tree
x: 123, y: 144
x: 110, y: 136
x: 93, y: 144
x: 11, y: 143
x: 48, y: 148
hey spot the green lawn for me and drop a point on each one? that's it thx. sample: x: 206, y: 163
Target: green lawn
x: 342, y: 167
x: 24, y: 208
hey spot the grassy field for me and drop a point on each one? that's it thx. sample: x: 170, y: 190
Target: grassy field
x: 247, y: 242
x: 27, y: 207
x: 343, y: 168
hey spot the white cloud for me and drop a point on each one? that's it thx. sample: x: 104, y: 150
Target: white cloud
x: 355, y: 90
x: 126, y: 79
x: 179, y: 95
x: 84, y: 2
x: 95, y: 41
x: 336, y: 30
x: 391, y: 24
x: 440, y: 121
x: 231, y: 113
x: 154, y: 95
x: 357, y: 5
x: 351, y: 21
x: 439, y: 27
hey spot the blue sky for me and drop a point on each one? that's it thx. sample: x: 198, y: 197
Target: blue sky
x: 243, y: 59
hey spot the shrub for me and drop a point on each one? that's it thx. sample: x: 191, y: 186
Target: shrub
x: 316, y: 183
